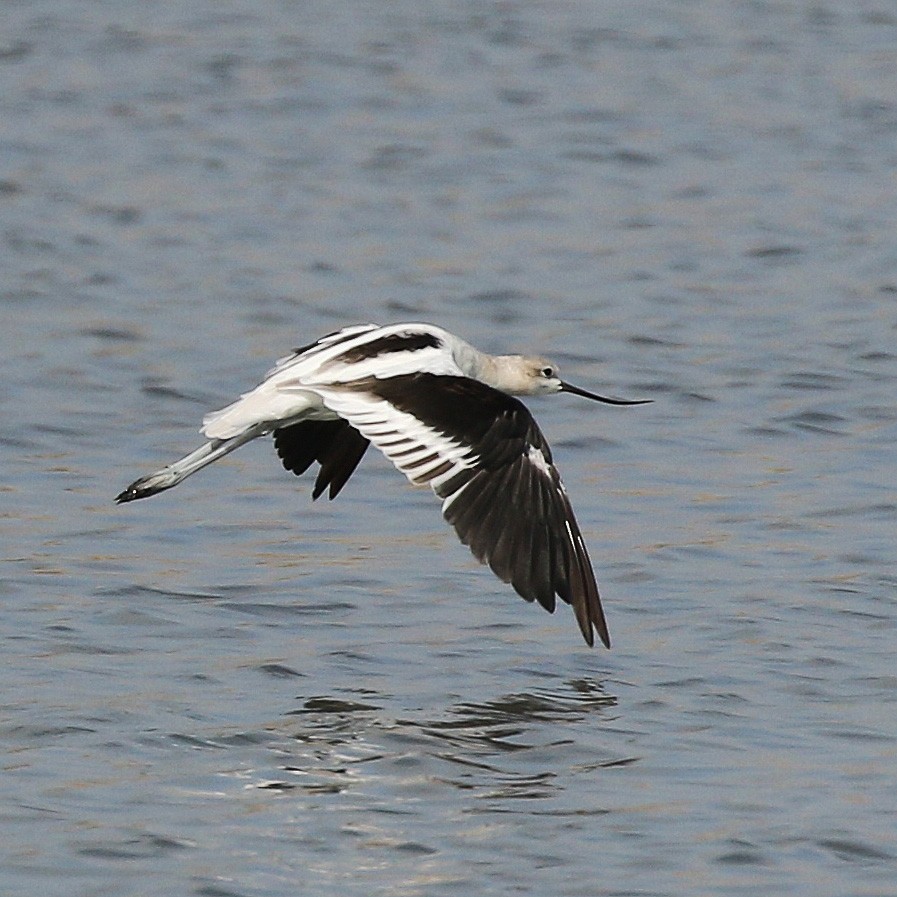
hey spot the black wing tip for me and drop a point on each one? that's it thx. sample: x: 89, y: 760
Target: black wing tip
x: 590, y: 623
x: 594, y: 614
x: 589, y: 613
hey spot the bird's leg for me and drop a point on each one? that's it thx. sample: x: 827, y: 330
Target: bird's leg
x: 172, y: 474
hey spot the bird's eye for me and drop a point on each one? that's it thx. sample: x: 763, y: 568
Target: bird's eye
x: 548, y: 372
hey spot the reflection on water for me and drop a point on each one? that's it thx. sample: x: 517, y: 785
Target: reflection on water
x: 339, y: 744
x: 503, y: 724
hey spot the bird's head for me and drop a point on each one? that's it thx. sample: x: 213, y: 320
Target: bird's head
x: 532, y: 375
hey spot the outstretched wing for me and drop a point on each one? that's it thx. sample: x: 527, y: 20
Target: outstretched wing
x: 483, y: 454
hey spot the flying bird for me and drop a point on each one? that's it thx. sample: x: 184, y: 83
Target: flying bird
x: 445, y: 414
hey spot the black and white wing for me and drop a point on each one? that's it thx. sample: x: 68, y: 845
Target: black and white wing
x: 289, y: 391
x: 483, y: 454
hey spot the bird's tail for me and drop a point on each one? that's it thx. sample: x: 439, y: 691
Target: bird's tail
x: 172, y: 474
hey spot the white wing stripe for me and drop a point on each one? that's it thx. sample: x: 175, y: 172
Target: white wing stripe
x: 335, y: 342
x: 321, y: 364
x: 413, y: 447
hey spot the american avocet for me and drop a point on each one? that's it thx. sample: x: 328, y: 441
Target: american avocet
x: 445, y: 415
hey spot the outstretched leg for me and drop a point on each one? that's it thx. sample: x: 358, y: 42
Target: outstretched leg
x: 172, y: 474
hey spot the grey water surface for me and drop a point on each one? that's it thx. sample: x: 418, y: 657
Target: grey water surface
x: 226, y: 690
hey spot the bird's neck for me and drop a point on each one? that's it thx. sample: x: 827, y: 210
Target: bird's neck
x: 498, y: 371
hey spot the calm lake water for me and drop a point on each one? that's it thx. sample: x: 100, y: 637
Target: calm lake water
x: 228, y: 691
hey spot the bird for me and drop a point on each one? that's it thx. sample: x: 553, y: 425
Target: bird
x: 447, y: 416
